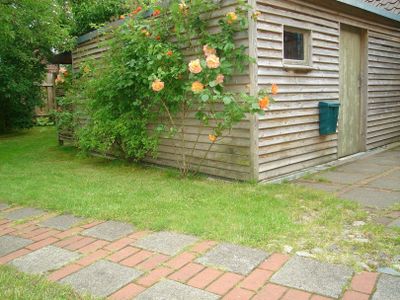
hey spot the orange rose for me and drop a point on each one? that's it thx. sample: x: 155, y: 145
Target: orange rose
x: 212, y: 61
x: 137, y: 10
x: 157, y: 85
x: 209, y: 50
x: 158, y: 37
x: 231, y: 17
x: 197, y: 87
x: 274, y: 89
x: 212, y: 138
x: 195, y: 67
x: 121, y: 17
x: 220, y: 79
x: 170, y: 53
x: 264, y: 102
x: 156, y: 12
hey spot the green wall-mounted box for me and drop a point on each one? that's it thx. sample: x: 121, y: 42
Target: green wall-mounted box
x: 328, y: 117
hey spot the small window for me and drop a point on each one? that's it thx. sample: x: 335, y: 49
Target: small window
x: 297, y: 46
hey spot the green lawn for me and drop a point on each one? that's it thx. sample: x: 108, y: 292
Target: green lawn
x: 35, y: 171
x: 15, y: 285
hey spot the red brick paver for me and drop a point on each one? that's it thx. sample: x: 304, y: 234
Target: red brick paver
x: 154, y: 276
x: 352, y: 295
x: 295, y: 294
x: 93, y: 246
x: 91, y: 258
x: 204, y: 278
x: 153, y: 262
x: 181, y: 260
x: 42, y: 243
x: 64, y: 272
x: 274, y: 262
x: 271, y: 292
x: 364, y: 282
x: 223, y: 284
x: 119, y: 244
x: 238, y: 294
x: 256, y: 279
x: 123, y: 253
x: 137, y: 258
x: 203, y: 246
x: 186, y: 272
x: 127, y: 292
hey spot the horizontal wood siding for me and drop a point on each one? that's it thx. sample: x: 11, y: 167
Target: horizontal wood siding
x: 230, y: 157
x: 289, y: 139
x: 383, y: 126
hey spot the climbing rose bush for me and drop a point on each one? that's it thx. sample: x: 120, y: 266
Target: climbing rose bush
x: 164, y: 65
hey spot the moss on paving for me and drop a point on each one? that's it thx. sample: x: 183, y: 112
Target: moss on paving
x: 35, y: 171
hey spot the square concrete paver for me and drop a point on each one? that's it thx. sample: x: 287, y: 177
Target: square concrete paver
x: 237, y: 259
x: 10, y: 244
x: 4, y: 206
x: 322, y: 186
x: 44, y: 260
x: 168, y: 289
x: 344, y: 177
x: 386, y: 182
x: 363, y: 167
x: 62, y: 222
x: 313, y: 276
x: 109, y: 231
x: 23, y: 213
x: 169, y: 243
x: 101, y: 278
x: 372, y: 197
x: 388, y: 288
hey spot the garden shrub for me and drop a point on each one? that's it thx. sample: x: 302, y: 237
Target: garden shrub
x: 29, y: 31
x: 145, y: 81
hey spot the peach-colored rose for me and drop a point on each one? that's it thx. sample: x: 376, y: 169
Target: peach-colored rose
x: 59, y: 79
x: 209, y: 50
x: 157, y: 85
x: 220, y: 79
x: 212, y: 61
x: 231, y: 17
x: 195, y: 67
x: 146, y: 32
x: 197, y: 87
x: 212, y: 138
x: 264, y: 102
x: 274, y: 89
x: 256, y: 15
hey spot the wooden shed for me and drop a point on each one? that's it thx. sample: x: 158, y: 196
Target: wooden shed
x: 315, y: 50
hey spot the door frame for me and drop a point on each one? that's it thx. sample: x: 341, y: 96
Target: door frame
x: 363, y: 84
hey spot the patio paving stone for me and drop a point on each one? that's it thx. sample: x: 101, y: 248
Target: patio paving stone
x: 327, y: 187
x: 62, y: 222
x: 169, y: 243
x: 395, y: 223
x: 44, y: 260
x: 110, y: 231
x: 313, y: 276
x: 168, y: 289
x: 101, y: 278
x: 4, y: 206
x: 344, y: 178
x: 10, y: 244
x: 388, y: 288
x: 372, y: 197
x: 234, y: 258
x: 386, y: 182
x: 23, y: 213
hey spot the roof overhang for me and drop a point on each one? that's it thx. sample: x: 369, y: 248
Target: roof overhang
x: 372, y: 9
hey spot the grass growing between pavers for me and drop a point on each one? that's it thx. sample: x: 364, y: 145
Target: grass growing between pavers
x: 15, y: 285
x: 35, y: 171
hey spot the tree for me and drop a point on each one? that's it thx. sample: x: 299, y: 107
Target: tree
x: 30, y: 31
